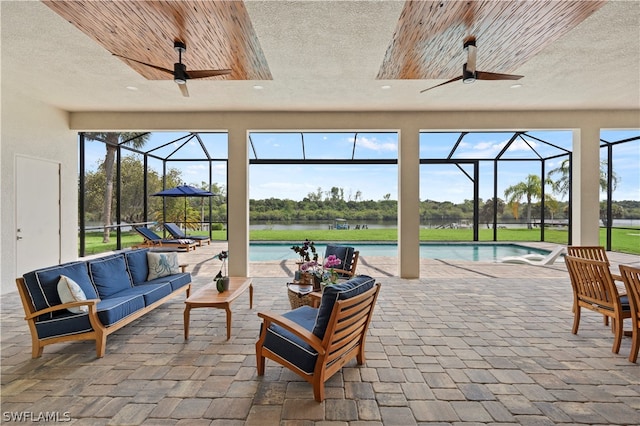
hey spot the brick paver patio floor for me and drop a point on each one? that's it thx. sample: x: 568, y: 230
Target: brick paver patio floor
x: 468, y: 343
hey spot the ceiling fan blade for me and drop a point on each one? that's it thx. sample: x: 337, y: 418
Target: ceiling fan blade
x: 442, y: 84
x: 207, y: 73
x: 184, y: 90
x: 146, y: 64
x: 482, y: 75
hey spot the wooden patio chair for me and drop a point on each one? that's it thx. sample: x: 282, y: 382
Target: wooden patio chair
x: 348, y: 255
x: 316, y: 343
x: 631, y: 279
x: 594, y: 289
x: 594, y: 253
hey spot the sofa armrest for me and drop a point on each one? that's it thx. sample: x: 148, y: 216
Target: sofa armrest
x: 183, y: 267
x: 91, y: 303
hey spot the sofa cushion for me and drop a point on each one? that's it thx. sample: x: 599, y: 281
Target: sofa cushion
x: 117, y: 307
x: 137, y: 265
x: 150, y: 292
x: 63, y: 323
x: 177, y: 281
x: 162, y: 264
x: 42, y: 284
x: 109, y: 275
x: 288, y: 345
x: 342, y: 291
x: 70, y: 291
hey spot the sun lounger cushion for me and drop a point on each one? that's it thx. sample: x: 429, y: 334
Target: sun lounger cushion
x: 109, y: 275
x: 342, y: 291
x: 290, y: 346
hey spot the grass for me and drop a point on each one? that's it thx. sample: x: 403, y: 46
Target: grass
x: 623, y: 240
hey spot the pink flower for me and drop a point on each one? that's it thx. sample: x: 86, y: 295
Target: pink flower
x: 331, y: 261
x: 308, y: 265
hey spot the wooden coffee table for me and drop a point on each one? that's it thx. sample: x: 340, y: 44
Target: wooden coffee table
x: 209, y: 297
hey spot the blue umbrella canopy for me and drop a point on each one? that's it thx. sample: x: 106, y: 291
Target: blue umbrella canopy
x: 184, y: 191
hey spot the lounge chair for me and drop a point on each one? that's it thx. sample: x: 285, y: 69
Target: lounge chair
x: 535, y: 259
x: 151, y: 239
x: 176, y: 232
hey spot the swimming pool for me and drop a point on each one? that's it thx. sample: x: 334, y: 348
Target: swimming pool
x: 483, y: 252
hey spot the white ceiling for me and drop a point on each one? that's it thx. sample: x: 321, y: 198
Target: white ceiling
x: 323, y: 56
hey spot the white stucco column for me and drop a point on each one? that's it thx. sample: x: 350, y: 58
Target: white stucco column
x: 409, y: 203
x: 238, y: 202
x: 585, y: 212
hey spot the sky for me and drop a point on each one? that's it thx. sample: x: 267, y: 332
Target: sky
x: 438, y: 182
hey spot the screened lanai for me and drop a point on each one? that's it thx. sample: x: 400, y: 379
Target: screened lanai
x: 477, y: 167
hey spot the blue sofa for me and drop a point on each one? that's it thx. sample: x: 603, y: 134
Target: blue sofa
x: 115, y: 290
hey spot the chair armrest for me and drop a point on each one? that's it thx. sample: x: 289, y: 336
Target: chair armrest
x: 298, y: 330
x: 343, y: 272
x: 91, y: 303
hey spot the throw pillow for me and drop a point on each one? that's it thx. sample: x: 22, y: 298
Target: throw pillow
x: 162, y: 265
x: 70, y: 291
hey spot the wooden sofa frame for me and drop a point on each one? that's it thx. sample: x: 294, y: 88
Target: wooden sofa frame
x: 99, y: 333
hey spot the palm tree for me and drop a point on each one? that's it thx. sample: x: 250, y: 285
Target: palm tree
x: 561, y: 186
x: 111, y: 141
x: 531, y: 189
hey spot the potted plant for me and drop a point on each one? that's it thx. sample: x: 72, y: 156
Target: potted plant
x: 221, y: 279
x: 308, y: 261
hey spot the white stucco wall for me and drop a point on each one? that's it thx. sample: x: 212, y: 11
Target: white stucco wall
x: 35, y: 130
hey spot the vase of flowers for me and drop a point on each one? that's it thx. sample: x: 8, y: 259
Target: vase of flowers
x: 221, y: 279
x: 329, y: 263
x: 308, y: 263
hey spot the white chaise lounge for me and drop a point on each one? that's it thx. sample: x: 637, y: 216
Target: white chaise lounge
x: 535, y: 259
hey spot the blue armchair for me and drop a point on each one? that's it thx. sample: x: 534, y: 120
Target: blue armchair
x: 316, y: 343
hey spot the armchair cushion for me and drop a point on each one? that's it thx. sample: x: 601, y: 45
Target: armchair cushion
x: 342, y: 291
x: 291, y: 347
x: 109, y: 275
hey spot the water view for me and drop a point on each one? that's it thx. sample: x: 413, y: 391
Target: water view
x: 483, y: 252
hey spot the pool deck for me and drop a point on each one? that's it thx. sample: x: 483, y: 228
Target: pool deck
x: 475, y: 343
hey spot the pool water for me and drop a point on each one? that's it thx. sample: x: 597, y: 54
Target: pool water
x: 483, y: 252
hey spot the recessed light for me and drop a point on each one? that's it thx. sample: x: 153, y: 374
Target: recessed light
x: 132, y: 88
x: 258, y: 87
x: 385, y: 87
x: 516, y: 86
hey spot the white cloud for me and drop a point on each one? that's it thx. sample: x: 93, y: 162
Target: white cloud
x: 375, y: 145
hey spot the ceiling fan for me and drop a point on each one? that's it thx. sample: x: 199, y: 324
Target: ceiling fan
x: 179, y: 72
x: 469, y: 72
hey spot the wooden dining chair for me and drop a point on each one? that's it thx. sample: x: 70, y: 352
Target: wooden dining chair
x: 594, y: 289
x: 631, y: 279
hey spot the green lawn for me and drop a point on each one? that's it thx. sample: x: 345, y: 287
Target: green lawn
x: 624, y: 240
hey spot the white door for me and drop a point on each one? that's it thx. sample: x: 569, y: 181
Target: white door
x: 37, y: 213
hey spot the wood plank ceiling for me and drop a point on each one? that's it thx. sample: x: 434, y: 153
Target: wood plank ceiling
x: 218, y: 34
x: 428, y: 40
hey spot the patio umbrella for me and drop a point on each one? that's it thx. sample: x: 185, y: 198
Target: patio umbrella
x: 184, y: 191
